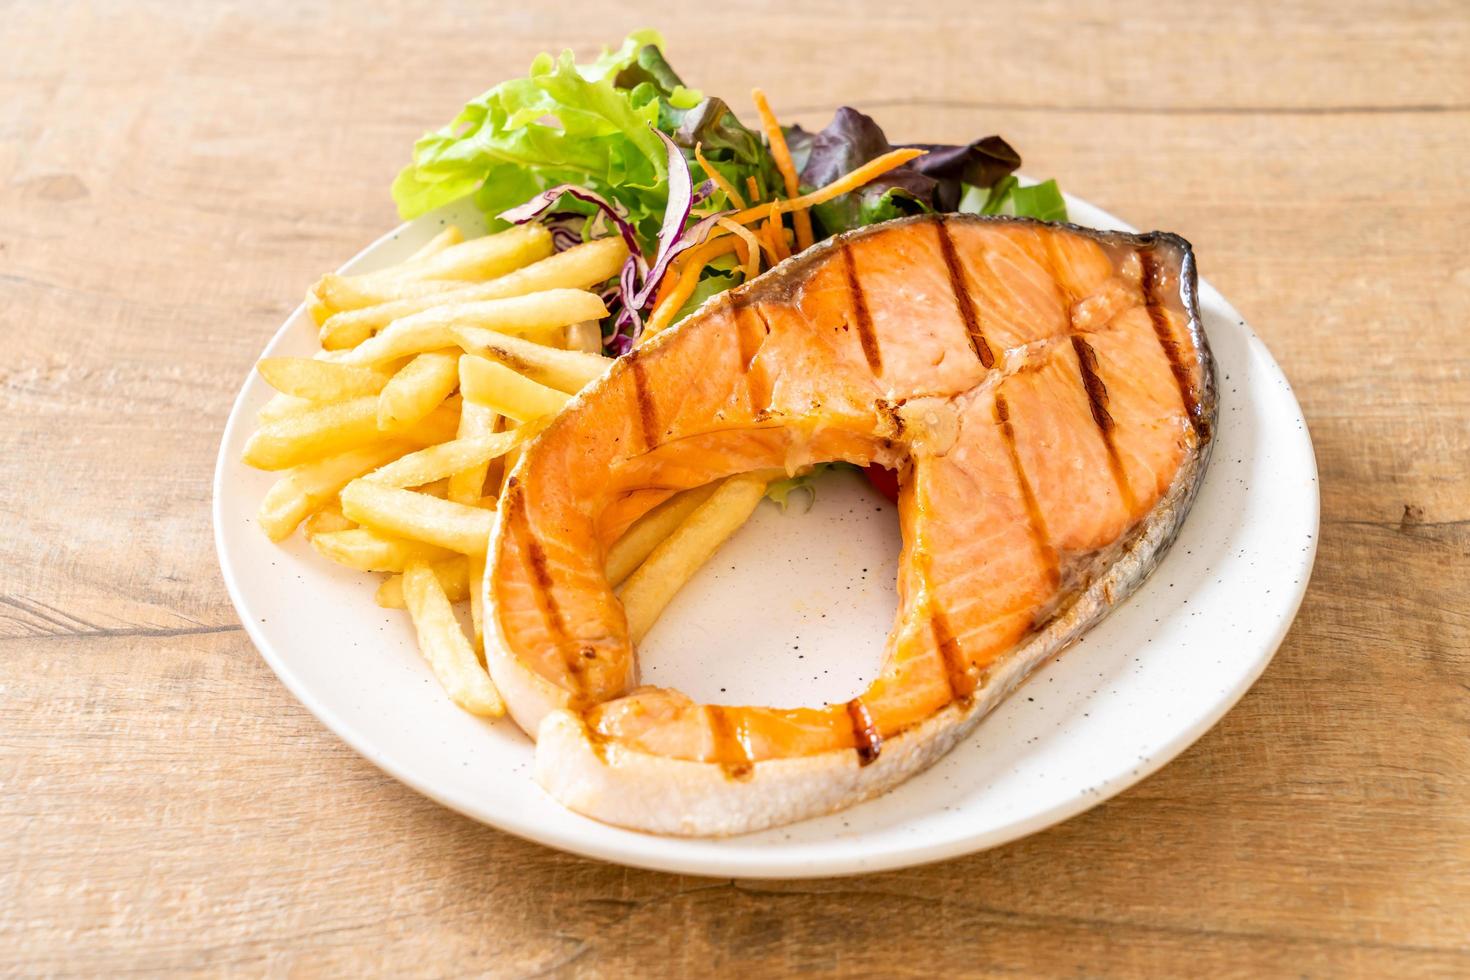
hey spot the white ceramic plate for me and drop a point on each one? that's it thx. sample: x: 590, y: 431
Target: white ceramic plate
x: 794, y: 610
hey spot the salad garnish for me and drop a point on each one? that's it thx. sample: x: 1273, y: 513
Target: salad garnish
x: 622, y: 146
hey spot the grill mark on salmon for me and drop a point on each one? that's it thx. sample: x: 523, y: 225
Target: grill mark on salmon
x: 868, y: 741
x: 963, y: 301
x: 1097, y: 392
x: 520, y: 526
x: 1149, y: 283
x: 595, y: 739
x: 1097, y: 400
x: 643, y: 394
x: 1036, y: 524
x: 867, y: 336
x: 730, y: 751
x: 956, y: 667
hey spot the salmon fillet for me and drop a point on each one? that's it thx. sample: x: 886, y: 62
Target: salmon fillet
x: 1047, y: 396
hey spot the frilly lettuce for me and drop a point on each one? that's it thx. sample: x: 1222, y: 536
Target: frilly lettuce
x: 563, y: 124
x: 597, y: 126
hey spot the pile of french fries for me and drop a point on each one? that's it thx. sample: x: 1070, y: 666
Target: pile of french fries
x: 393, y: 441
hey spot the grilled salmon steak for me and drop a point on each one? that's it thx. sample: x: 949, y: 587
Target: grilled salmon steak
x: 1045, y: 393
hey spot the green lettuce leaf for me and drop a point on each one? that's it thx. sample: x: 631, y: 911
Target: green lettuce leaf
x: 589, y: 125
x: 563, y: 123
x: 780, y: 491
x: 1043, y: 201
x: 728, y: 145
x: 714, y: 282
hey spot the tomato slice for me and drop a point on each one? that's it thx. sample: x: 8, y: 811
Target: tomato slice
x: 884, y: 480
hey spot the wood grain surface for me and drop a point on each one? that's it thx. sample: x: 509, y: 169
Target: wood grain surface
x: 173, y: 175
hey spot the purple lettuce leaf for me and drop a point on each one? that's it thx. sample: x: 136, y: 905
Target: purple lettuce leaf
x: 933, y: 182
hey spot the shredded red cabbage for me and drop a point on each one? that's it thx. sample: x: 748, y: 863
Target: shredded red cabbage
x: 566, y: 229
x: 639, y: 279
x: 547, y: 199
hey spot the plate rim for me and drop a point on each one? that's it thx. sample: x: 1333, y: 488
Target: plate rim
x: 733, y: 865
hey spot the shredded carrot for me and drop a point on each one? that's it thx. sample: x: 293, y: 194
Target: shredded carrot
x: 874, y: 168
x: 748, y: 258
x: 777, y: 231
x: 753, y: 188
x: 666, y: 284
x: 691, y: 264
x: 773, y: 254
x: 781, y: 153
x: 768, y: 237
x: 721, y: 181
x: 752, y: 257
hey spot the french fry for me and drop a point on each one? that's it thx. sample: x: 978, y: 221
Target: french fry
x: 339, y: 292
x: 320, y: 381
x: 312, y: 383
x: 585, y: 337
x: 565, y: 370
x: 467, y: 485
x: 476, y: 259
x: 476, y: 575
x: 439, y: 426
x: 452, y: 573
x: 337, y: 335
x: 508, y: 466
x: 417, y: 389
x: 385, y: 464
x: 675, y: 560
x: 629, y: 551
x: 281, y: 406
x: 406, y: 514
x: 450, y: 235
x: 444, y: 646
x: 370, y: 551
x: 534, y: 315
x: 310, y: 487
x: 327, y: 520
x: 319, y: 309
x: 449, y: 458
x: 495, y: 473
x: 334, y: 428
x: 489, y: 256
x: 579, y: 267
x: 469, y: 260
x: 325, y: 431
x: 497, y: 386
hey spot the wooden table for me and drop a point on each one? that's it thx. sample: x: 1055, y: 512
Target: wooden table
x: 172, y: 175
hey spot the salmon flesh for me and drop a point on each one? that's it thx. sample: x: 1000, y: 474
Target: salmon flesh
x: 1047, y: 396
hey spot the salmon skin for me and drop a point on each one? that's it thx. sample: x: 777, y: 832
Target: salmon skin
x: 1047, y: 396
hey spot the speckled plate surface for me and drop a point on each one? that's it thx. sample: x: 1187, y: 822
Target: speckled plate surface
x: 794, y: 610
